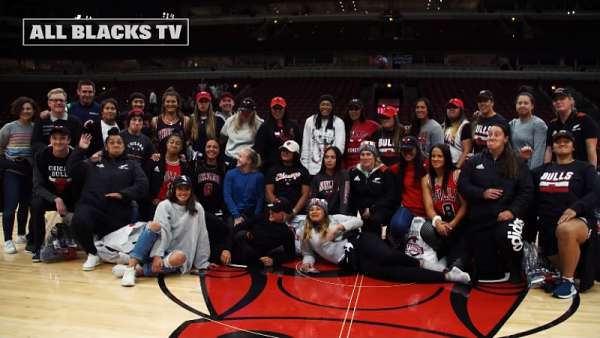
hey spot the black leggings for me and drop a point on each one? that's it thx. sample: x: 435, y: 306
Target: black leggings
x: 89, y: 220
x: 496, y: 249
x: 452, y: 247
x: 377, y: 259
x: 217, y: 236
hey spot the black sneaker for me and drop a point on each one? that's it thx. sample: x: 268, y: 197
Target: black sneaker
x: 30, y: 247
x: 36, y: 257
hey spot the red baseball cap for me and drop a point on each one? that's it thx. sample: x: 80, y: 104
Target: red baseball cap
x: 389, y: 111
x: 278, y: 101
x: 203, y: 95
x: 456, y: 102
x: 226, y: 94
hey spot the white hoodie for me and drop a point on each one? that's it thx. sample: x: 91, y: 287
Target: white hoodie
x: 332, y: 251
x: 314, y: 141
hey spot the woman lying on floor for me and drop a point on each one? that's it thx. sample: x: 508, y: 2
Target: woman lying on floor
x: 174, y: 242
x: 331, y: 238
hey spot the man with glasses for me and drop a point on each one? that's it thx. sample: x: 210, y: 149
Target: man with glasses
x: 57, y: 98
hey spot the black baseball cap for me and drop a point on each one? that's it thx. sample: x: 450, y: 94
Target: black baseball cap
x: 283, y: 204
x: 60, y: 128
x: 563, y: 134
x: 561, y: 92
x: 181, y: 181
x: 247, y: 104
x: 409, y: 142
x: 355, y: 103
x: 485, y: 95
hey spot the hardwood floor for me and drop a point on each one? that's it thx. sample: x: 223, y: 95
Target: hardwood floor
x: 61, y: 300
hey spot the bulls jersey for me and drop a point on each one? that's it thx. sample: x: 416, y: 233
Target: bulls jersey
x: 482, y: 127
x: 562, y: 186
x: 446, y: 202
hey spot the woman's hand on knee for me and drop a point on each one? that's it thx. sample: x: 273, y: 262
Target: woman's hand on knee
x: 225, y: 257
x: 154, y: 226
x: 157, y: 264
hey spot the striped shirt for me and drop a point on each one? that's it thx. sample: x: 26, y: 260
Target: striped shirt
x: 15, y: 140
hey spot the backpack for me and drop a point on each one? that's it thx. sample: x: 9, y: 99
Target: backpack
x: 60, y: 245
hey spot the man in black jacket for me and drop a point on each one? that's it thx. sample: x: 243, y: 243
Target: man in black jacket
x: 268, y: 242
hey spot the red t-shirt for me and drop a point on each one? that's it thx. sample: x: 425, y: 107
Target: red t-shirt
x: 412, y: 194
x: 172, y: 170
x: 361, y: 131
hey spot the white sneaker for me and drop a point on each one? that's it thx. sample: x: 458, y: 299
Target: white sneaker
x: 457, y: 275
x: 92, y: 262
x: 9, y: 247
x: 501, y: 278
x: 21, y: 239
x: 119, y: 270
x: 128, y: 277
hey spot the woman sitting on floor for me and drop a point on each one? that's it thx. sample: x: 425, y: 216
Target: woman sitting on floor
x: 330, y: 237
x: 444, y: 206
x: 174, y: 242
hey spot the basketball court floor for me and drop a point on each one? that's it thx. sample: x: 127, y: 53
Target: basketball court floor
x: 61, y: 300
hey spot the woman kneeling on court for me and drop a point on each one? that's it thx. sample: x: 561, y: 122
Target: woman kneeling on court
x: 498, y: 188
x: 336, y: 240
x: 111, y: 183
x: 175, y: 241
x: 564, y: 202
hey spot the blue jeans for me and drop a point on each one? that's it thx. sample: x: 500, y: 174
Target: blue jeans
x: 400, y: 222
x: 17, y: 191
x: 141, y: 252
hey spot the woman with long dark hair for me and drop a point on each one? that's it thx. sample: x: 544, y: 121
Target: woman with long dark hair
x: 424, y: 127
x: 209, y: 172
x: 277, y: 129
x: 457, y: 131
x: 498, y: 188
x: 109, y: 111
x: 332, y: 183
x: 389, y: 137
x: 16, y: 158
x: 174, y: 242
x: 170, y: 165
x: 358, y: 129
x: 321, y: 130
x: 444, y: 206
x: 409, y: 172
x: 171, y: 119
x: 329, y: 237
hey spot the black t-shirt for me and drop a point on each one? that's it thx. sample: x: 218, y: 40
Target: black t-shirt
x: 288, y: 181
x: 137, y: 147
x: 54, y: 177
x: 581, y: 125
x: 562, y: 186
x: 199, y: 144
x: 482, y: 126
x: 386, y: 147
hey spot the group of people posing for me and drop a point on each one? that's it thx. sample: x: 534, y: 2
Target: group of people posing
x: 226, y: 186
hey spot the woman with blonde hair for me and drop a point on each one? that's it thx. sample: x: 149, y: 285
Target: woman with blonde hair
x: 240, y: 130
x: 205, y: 123
x: 333, y: 237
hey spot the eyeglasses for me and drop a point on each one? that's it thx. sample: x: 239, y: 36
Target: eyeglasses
x: 56, y: 100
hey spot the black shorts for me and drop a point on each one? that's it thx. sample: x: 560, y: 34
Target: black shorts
x: 547, y: 240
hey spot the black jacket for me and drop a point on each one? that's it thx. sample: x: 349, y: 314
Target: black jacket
x: 156, y: 173
x: 376, y: 192
x: 269, y: 138
x: 120, y: 175
x: 482, y: 172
